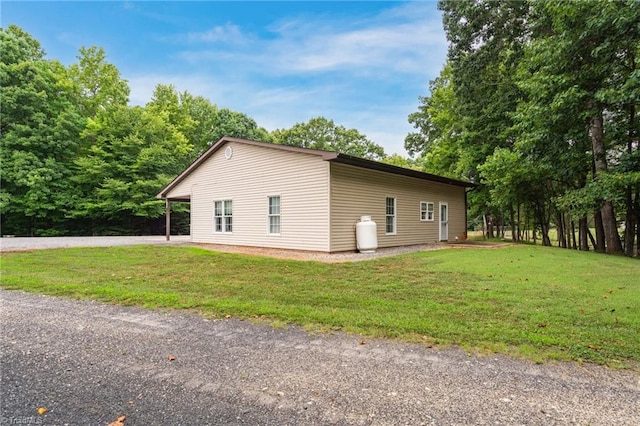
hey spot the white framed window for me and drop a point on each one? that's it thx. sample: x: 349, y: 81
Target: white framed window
x: 426, y: 211
x: 273, y: 215
x: 223, y: 216
x: 390, y: 225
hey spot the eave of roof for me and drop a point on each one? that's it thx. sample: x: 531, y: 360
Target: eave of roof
x: 389, y: 168
x: 325, y: 155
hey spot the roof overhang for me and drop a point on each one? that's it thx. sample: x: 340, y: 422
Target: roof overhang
x: 388, y: 168
x: 183, y: 198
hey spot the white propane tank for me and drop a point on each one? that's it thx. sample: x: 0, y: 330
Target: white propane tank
x: 366, y: 235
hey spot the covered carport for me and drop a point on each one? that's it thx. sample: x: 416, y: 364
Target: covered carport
x: 168, y: 201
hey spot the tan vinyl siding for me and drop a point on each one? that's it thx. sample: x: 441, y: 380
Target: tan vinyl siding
x: 183, y: 189
x: 251, y: 175
x: 356, y: 192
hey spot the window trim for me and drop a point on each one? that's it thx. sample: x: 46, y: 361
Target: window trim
x: 270, y: 215
x: 426, y: 211
x: 394, y: 216
x: 227, y: 219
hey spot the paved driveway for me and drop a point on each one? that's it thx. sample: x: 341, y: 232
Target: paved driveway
x: 89, y: 363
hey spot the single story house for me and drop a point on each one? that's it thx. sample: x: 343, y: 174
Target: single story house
x: 250, y: 193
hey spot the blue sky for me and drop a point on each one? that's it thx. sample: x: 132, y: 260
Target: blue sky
x: 362, y: 64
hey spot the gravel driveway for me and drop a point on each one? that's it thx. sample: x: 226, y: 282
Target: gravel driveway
x: 40, y: 243
x: 89, y: 363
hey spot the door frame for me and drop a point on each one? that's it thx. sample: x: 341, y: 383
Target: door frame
x: 443, y: 236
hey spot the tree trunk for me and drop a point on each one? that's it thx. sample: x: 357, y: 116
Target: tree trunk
x: 489, y: 222
x: 630, y: 222
x: 593, y: 240
x: 546, y: 241
x: 519, y: 235
x: 599, y: 243
x: 612, y: 238
x: 583, y: 231
x: 514, y: 235
x: 533, y: 232
x: 612, y: 242
x: 630, y: 226
x: 531, y: 226
x: 484, y: 226
x: 544, y: 225
x: 637, y: 210
x: 562, y: 240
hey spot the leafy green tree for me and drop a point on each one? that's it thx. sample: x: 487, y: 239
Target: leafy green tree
x: 18, y: 46
x: 76, y: 159
x: 168, y: 102
x: 237, y: 125
x: 203, y: 115
x: 200, y: 121
x: 468, y: 114
x: 98, y: 83
x: 439, y: 125
x: 320, y: 133
x: 486, y: 45
x: 135, y: 152
x: 401, y: 161
x: 39, y: 139
x: 541, y: 96
x: 583, y: 64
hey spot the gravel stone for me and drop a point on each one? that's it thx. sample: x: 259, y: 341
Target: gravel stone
x: 89, y: 363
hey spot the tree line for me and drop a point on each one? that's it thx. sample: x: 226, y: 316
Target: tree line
x: 538, y: 103
x: 77, y: 159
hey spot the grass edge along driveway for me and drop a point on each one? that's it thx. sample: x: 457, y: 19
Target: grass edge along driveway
x: 532, y: 302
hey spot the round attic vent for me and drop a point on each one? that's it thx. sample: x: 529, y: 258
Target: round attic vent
x: 228, y: 152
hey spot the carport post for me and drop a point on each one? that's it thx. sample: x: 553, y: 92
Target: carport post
x: 168, y: 218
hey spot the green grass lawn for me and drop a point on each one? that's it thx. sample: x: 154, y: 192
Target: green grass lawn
x: 539, y: 303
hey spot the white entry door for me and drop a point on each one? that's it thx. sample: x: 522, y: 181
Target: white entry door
x: 444, y: 222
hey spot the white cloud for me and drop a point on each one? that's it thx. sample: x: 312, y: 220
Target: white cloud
x: 227, y: 33
x: 397, y: 41
x: 286, y: 95
x: 363, y: 72
x: 399, y: 47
